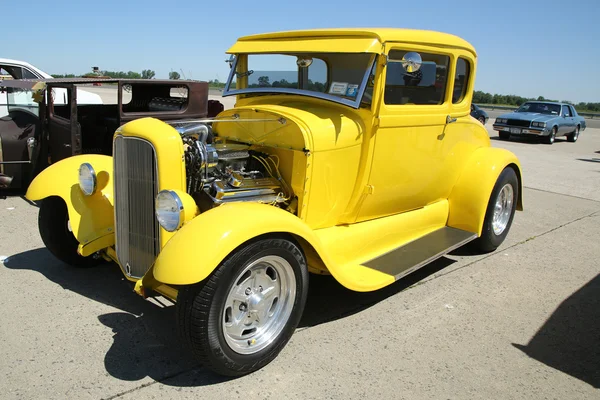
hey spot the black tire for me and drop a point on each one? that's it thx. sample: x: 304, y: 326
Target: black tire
x: 489, y: 240
x: 201, y: 309
x: 573, y: 136
x: 504, y: 135
x: 551, y: 136
x: 482, y: 120
x: 54, y: 229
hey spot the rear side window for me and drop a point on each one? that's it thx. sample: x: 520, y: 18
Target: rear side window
x: 461, y: 80
x: 141, y: 97
x: 425, y: 86
x: 566, y: 111
x: 573, y: 112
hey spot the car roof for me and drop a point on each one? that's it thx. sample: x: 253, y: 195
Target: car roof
x: 383, y: 35
x: 548, y: 102
x: 25, y: 64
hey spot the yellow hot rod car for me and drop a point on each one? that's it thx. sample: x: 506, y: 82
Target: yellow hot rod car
x: 349, y: 152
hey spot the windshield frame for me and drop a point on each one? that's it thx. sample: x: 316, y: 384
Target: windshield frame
x: 356, y: 103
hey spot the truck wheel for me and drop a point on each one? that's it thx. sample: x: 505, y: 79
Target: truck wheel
x: 504, y: 135
x: 500, y: 212
x: 572, y: 137
x: 551, y: 136
x: 53, y: 223
x: 238, y: 320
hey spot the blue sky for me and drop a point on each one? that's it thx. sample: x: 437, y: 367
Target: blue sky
x: 526, y: 47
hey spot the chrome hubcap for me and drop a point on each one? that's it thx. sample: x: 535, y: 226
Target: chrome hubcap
x: 502, y: 209
x: 259, y: 304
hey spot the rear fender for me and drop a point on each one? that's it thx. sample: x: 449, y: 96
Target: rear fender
x: 470, y: 196
x: 91, y: 217
x: 203, y: 243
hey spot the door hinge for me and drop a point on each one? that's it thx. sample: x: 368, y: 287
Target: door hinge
x: 369, y: 189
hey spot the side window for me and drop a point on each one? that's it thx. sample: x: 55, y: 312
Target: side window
x: 573, y: 112
x: 461, y: 80
x: 425, y: 86
x: 27, y: 74
x: 4, y: 74
x: 141, y: 97
x: 16, y: 72
x: 566, y: 111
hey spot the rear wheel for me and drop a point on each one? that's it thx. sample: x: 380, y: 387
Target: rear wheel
x: 572, y: 137
x: 500, y: 212
x: 55, y: 230
x: 241, y: 317
x: 551, y: 136
x: 482, y: 120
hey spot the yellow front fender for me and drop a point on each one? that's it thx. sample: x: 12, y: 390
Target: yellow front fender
x: 91, y: 217
x: 203, y: 243
x: 470, y: 196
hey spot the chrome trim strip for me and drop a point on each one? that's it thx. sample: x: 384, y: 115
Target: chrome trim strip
x: 435, y: 257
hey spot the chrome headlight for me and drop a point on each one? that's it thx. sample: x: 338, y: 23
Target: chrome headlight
x: 87, y: 179
x: 169, y: 210
x: 539, y: 124
x: 501, y: 120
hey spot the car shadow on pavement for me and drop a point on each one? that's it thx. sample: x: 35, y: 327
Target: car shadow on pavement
x: 569, y: 340
x: 597, y: 160
x: 526, y: 139
x: 145, y: 341
x: 329, y: 301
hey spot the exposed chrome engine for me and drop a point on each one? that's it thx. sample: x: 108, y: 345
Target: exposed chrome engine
x: 218, y: 173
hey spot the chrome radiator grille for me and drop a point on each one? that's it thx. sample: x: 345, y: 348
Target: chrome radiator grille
x: 136, y: 186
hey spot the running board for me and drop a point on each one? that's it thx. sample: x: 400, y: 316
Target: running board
x: 414, y: 255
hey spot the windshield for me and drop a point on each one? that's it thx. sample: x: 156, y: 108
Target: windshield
x: 540, y: 108
x: 340, y: 77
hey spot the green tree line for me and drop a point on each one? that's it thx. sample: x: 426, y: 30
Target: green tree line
x: 480, y: 97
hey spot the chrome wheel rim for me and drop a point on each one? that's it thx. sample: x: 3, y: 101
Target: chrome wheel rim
x: 576, y: 133
x: 259, y: 304
x: 552, y: 135
x: 502, y: 209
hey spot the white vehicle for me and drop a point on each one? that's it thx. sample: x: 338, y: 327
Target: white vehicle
x: 14, y: 69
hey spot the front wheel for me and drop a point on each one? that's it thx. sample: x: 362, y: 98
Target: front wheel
x: 55, y: 230
x: 241, y: 317
x: 551, y: 136
x: 500, y: 212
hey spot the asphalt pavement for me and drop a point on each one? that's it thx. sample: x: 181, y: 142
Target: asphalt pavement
x: 522, y: 322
